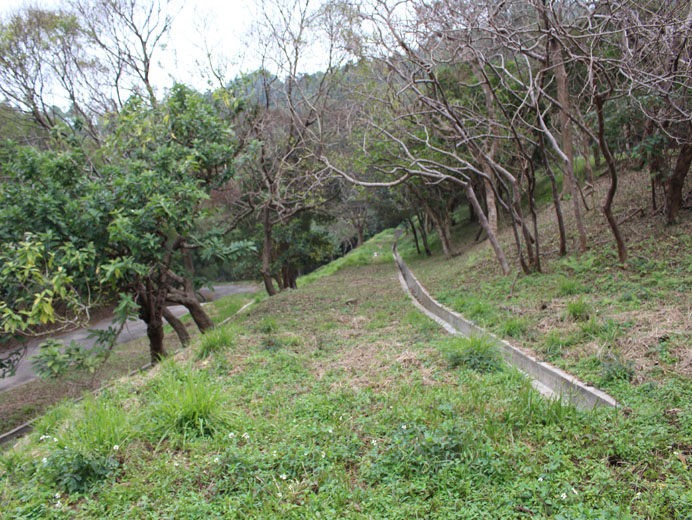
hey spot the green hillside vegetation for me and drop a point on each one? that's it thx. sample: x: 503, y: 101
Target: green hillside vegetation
x: 340, y: 400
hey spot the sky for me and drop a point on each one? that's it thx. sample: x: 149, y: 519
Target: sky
x: 224, y: 24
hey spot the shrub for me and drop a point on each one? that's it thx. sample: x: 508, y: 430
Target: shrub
x: 475, y: 352
x: 187, y: 402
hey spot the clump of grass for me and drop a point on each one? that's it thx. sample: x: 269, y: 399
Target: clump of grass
x: 569, y: 287
x: 606, y: 333
x: 614, y: 367
x: 553, y: 343
x: 187, y: 402
x: 215, y: 340
x: 475, y: 309
x: 268, y: 325
x: 514, y: 327
x: 578, y: 310
x: 85, y: 452
x: 478, y: 353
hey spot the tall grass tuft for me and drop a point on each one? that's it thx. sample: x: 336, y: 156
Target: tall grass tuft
x: 187, y: 402
x: 215, y: 340
x: 478, y: 353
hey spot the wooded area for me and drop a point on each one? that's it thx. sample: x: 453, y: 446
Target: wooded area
x: 135, y: 197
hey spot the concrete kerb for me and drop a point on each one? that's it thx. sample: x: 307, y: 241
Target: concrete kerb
x: 547, y: 379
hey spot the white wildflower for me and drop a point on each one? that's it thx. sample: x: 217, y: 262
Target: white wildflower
x: 58, y: 503
x: 283, y: 476
x: 55, y: 439
x: 574, y: 491
x: 279, y: 494
x: 540, y: 479
x: 176, y: 464
x: 324, y: 454
x: 44, y: 460
x: 246, y: 436
x: 373, y: 442
x: 216, y: 460
x: 231, y: 435
x: 57, y: 495
x: 274, y: 453
x: 331, y: 431
x: 116, y: 447
x: 563, y: 496
x: 403, y: 426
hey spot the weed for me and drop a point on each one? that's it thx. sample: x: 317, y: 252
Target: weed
x: 76, y: 472
x: 553, y: 343
x: 478, y: 353
x: 614, y: 367
x: 578, y: 310
x: 272, y: 343
x: 514, y: 327
x: 268, y: 325
x: 215, y: 340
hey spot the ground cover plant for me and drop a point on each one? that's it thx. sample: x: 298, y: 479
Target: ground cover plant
x: 357, y: 412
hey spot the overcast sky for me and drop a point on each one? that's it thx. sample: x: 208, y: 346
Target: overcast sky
x: 225, y: 24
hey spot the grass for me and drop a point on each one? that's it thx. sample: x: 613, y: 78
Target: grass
x: 31, y: 399
x: 360, y: 412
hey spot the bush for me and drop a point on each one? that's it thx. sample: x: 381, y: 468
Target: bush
x: 475, y: 352
x: 187, y: 402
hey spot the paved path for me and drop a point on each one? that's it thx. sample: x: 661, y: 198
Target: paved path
x: 133, y: 330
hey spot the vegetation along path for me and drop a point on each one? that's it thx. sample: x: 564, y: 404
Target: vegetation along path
x: 340, y: 400
x: 133, y: 330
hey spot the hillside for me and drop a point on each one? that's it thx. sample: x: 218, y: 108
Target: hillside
x: 340, y: 400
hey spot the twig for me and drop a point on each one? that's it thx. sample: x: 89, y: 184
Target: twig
x: 630, y: 215
x: 511, y: 293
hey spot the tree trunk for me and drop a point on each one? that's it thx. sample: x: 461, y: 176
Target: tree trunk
x: 566, y: 128
x: 486, y: 225
x: 199, y: 315
x: 424, y: 235
x: 190, y: 271
x: 155, y: 335
x: 608, y: 203
x: 178, y: 327
x: 360, y: 234
x: 676, y: 182
x: 556, y: 197
x: 415, y: 234
x: 587, y: 163
x: 266, y: 254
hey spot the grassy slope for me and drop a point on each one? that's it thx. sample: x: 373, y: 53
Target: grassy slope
x: 337, y: 401
x: 29, y: 400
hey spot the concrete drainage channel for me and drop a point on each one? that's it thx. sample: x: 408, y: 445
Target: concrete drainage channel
x: 547, y: 379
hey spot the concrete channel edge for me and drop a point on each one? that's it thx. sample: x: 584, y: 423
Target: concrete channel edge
x: 547, y: 379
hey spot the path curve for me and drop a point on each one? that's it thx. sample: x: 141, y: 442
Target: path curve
x: 133, y: 330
